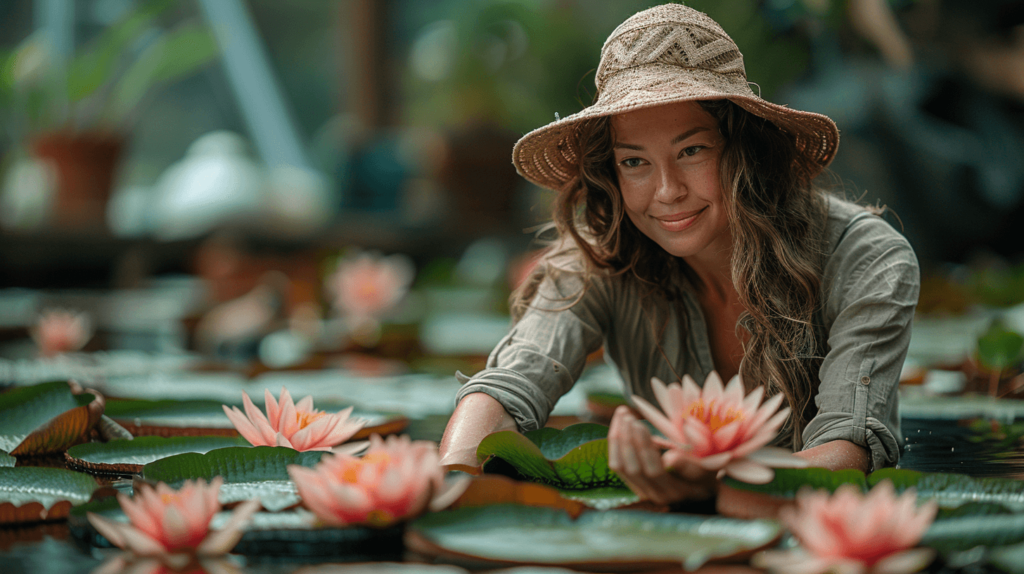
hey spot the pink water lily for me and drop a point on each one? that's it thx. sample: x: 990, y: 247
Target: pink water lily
x: 720, y: 429
x: 294, y: 425
x: 853, y: 533
x: 367, y: 285
x: 164, y: 521
x: 396, y: 479
x: 60, y: 331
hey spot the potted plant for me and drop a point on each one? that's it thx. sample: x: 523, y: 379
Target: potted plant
x: 76, y: 115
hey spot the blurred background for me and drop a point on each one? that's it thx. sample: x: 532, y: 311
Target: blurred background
x: 309, y: 184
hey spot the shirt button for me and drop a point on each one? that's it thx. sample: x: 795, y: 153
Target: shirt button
x: 865, y: 380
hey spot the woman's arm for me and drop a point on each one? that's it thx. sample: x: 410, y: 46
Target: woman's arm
x: 838, y: 455
x: 477, y: 416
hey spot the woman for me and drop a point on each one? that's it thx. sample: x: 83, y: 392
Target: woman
x: 692, y: 240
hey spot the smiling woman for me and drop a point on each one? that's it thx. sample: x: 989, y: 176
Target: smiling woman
x: 692, y: 239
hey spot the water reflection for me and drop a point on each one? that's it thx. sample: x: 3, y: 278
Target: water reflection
x: 977, y: 447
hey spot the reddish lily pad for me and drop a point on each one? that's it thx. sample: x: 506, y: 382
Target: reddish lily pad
x: 127, y: 457
x: 596, y: 541
x: 573, y: 460
x: 34, y: 494
x: 46, y: 418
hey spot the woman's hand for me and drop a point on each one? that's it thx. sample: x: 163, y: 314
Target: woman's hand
x: 640, y: 464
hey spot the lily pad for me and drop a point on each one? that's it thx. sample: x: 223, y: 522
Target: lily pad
x: 573, y: 460
x: 292, y: 533
x: 45, y: 418
x: 126, y: 457
x: 248, y: 472
x: 614, y: 540
x: 32, y: 494
x: 170, y: 417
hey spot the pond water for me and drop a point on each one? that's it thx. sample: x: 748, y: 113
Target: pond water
x: 973, y: 446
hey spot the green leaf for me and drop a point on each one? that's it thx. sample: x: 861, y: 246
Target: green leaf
x: 965, y: 532
x: 167, y: 59
x: 94, y: 66
x: 999, y: 348
x: 517, y: 534
x: 954, y: 490
x: 145, y: 449
x: 573, y: 460
x: 788, y: 481
x: 235, y: 464
x: 47, y: 486
x: 28, y: 409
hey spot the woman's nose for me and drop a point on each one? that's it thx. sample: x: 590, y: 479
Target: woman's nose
x: 671, y: 187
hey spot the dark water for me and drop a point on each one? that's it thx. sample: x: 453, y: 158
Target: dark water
x: 977, y: 447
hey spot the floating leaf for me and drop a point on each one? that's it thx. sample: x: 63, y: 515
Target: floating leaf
x: 45, y: 418
x: 999, y: 348
x: 129, y: 456
x: 30, y: 494
x: 514, y: 534
x: 170, y: 417
x: 965, y: 532
x: 954, y: 490
x: 573, y: 460
x: 235, y: 464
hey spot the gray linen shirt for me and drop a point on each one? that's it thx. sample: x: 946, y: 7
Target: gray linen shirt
x: 869, y: 291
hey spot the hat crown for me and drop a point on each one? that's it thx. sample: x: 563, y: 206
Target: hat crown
x: 670, y: 34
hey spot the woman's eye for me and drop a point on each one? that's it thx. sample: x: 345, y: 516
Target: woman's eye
x: 691, y: 151
x: 631, y: 162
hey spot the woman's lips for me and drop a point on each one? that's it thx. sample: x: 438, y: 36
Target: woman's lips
x: 679, y: 221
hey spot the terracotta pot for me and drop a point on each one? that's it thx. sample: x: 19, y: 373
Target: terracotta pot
x: 86, y: 164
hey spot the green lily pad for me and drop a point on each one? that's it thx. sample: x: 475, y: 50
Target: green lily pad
x: 30, y: 493
x: 573, y: 460
x: 248, y: 472
x: 514, y: 534
x: 129, y: 456
x: 171, y: 417
x: 950, y: 490
x: 965, y: 532
x: 43, y: 418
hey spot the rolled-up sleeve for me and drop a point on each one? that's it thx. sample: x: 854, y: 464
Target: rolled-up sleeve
x: 871, y: 286
x: 545, y: 351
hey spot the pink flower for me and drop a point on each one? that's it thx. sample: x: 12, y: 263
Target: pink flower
x: 720, y: 429
x: 297, y: 426
x: 166, y: 521
x: 396, y: 479
x: 366, y: 286
x: 853, y: 533
x: 60, y: 331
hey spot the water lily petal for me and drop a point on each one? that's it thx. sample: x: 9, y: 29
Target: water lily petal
x: 223, y: 540
x: 791, y: 562
x: 305, y: 405
x: 289, y: 418
x: 777, y: 457
x: 450, y: 492
x: 724, y: 438
x: 715, y: 461
x: 713, y: 390
x: 110, y: 530
x: 257, y: 419
x: 734, y: 391
x: 767, y: 409
x: 657, y: 419
x: 273, y: 409
x: 281, y: 440
x: 244, y: 427
x: 351, y: 448
x: 749, y: 471
x: 904, y: 562
x: 752, y: 401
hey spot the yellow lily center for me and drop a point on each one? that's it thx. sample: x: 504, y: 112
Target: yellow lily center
x: 714, y: 418
x: 353, y: 470
x: 307, y: 418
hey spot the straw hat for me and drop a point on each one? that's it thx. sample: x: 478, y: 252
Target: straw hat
x: 666, y: 54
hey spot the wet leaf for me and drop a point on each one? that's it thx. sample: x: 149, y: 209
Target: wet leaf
x: 235, y: 464
x: 514, y: 534
x: 965, y: 532
x: 129, y: 456
x: 954, y: 490
x: 573, y: 460
x: 45, y: 418
x: 31, y: 493
x: 788, y: 481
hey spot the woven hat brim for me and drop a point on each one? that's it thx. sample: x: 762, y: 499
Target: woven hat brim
x: 548, y: 157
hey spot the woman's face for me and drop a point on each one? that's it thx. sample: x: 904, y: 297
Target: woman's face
x: 666, y: 159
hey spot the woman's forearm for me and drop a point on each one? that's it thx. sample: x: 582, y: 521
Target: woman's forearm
x: 838, y: 455
x: 477, y: 416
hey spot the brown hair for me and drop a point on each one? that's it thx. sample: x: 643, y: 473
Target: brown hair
x: 777, y: 219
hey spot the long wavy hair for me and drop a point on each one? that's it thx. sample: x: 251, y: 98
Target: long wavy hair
x: 777, y: 219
